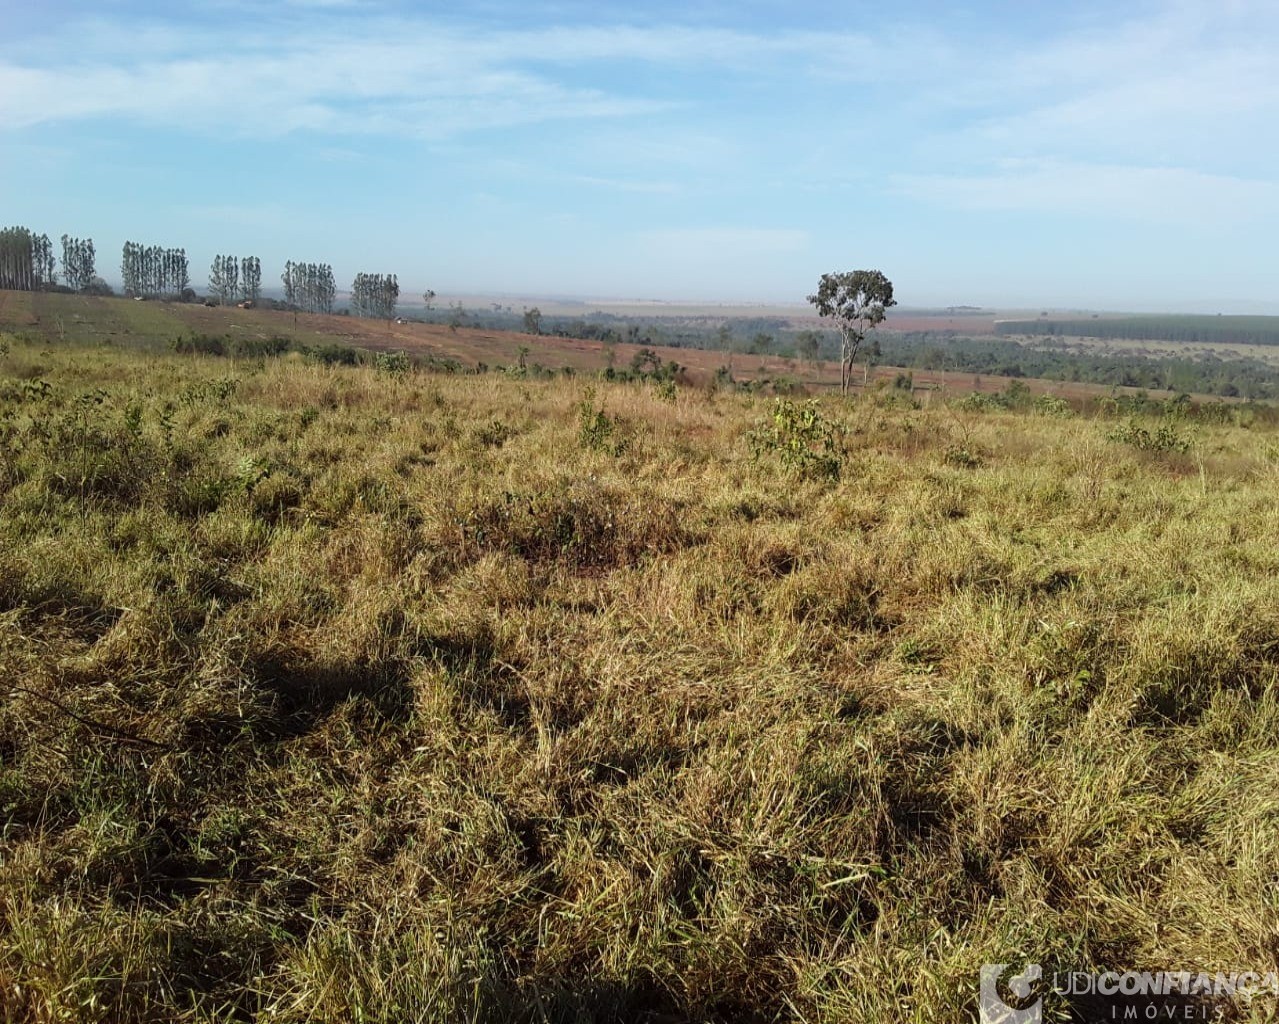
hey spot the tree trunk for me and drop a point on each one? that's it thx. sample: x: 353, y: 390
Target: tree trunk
x: 848, y: 354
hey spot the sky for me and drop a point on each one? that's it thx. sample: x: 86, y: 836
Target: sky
x: 1006, y: 154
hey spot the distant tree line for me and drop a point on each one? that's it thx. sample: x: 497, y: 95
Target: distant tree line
x: 375, y: 295
x: 27, y: 263
x: 309, y: 287
x: 26, y: 260
x: 153, y: 271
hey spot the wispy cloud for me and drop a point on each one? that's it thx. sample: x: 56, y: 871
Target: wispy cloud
x: 718, y: 242
x: 1161, y: 195
x: 1176, y: 73
x: 416, y: 76
x: 355, y: 88
x: 633, y: 185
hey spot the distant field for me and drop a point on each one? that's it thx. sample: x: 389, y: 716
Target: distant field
x: 153, y: 325
x: 1161, y: 349
x: 976, y: 322
x: 1216, y: 330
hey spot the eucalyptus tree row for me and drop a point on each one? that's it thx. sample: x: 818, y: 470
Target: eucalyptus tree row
x: 250, y: 279
x: 152, y: 271
x: 309, y: 287
x: 78, y: 262
x: 375, y: 295
x: 224, y: 278
x: 45, y: 264
x: 26, y: 260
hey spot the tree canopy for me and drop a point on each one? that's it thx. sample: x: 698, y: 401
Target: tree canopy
x: 857, y: 301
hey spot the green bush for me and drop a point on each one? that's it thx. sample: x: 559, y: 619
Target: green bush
x: 597, y: 431
x: 1164, y: 439
x: 332, y: 355
x: 199, y: 345
x: 979, y: 402
x: 964, y: 454
x: 494, y: 434
x: 392, y: 364
x: 800, y: 438
x: 258, y: 348
x: 1051, y: 405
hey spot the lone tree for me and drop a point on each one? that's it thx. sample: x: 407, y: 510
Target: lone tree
x: 857, y: 300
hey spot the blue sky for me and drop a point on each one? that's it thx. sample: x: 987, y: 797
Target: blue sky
x: 1001, y: 154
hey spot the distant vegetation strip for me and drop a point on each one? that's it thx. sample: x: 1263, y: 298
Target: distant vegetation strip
x: 65, y: 318
x: 1229, y: 378
x: 1219, y: 330
x: 1234, y: 377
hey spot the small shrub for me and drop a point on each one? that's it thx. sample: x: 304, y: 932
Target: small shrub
x: 494, y: 434
x: 1163, y: 440
x: 392, y: 364
x: 646, y: 361
x: 579, y: 526
x: 894, y: 399
x: 916, y: 654
x: 258, y: 348
x: 275, y: 496
x: 1051, y: 405
x: 963, y: 454
x: 332, y: 355
x: 201, y: 392
x: 1017, y: 395
x: 193, y: 495
x: 199, y: 345
x: 36, y: 390
x: 597, y: 431
x: 979, y: 402
x: 249, y: 472
x: 800, y: 438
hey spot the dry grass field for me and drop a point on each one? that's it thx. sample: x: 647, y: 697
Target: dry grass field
x: 343, y: 695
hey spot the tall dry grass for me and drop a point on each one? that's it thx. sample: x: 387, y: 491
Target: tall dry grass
x: 342, y: 696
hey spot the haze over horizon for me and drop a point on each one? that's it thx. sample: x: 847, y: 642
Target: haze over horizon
x: 997, y: 155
